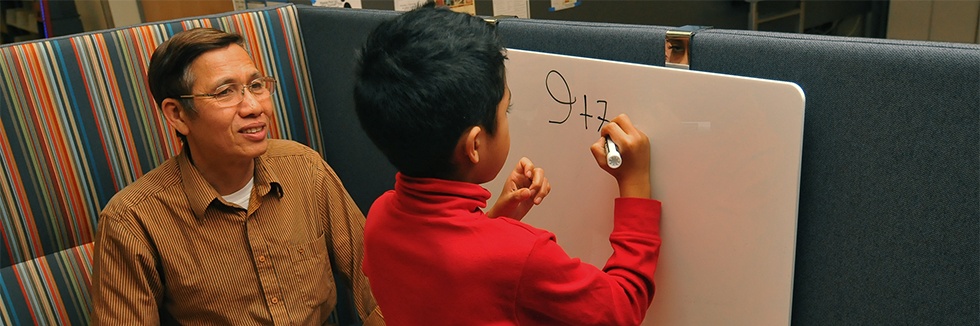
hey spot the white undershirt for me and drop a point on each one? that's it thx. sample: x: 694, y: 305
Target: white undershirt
x: 242, y: 196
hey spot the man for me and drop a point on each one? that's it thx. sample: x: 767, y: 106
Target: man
x: 237, y: 229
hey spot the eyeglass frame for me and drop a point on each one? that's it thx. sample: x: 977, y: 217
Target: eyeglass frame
x: 214, y: 96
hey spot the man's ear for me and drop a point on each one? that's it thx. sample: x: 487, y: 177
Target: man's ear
x: 176, y: 116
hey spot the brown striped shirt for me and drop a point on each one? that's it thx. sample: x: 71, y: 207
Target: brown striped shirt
x: 170, y: 250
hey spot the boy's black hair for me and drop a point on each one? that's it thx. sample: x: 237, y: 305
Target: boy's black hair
x: 423, y: 79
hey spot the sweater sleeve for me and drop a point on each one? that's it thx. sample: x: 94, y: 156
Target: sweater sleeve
x: 558, y: 289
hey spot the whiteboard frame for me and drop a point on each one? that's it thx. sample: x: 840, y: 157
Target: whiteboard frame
x: 725, y: 155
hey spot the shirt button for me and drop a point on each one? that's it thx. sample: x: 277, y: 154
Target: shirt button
x: 261, y: 259
x: 275, y: 300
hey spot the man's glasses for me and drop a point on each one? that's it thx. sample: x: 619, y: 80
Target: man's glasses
x: 232, y: 94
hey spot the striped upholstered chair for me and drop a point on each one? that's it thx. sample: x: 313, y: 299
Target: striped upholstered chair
x: 77, y: 124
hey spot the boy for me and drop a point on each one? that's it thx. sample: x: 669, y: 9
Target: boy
x: 432, y: 95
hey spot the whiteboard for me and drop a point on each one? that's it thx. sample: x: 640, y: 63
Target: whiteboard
x: 725, y: 157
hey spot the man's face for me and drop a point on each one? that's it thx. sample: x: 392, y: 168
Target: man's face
x: 229, y: 132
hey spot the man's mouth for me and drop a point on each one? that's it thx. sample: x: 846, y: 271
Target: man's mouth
x: 252, y: 130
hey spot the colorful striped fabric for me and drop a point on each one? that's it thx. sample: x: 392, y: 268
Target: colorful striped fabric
x: 77, y: 124
x: 50, y: 290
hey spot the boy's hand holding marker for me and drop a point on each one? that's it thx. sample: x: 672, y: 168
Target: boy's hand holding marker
x: 633, y: 173
x: 623, y: 151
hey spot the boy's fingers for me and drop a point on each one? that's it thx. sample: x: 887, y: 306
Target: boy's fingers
x: 599, y: 151
x: 537, y: 177
x: 520, y: 195
x: 545, y: 189
x: 617, y: 135
x: 525, y: 166
x: 525, y: 194
x: 617, y: 131
x: 524, y: 162
x: 624, y: 123
x: 608, y: 128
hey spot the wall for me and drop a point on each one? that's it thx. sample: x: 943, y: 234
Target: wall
x: 92, y: 14
x: 156, y: 10
x: 133, y: 12
x: 125, y: 13
x: 935, y: 20
x: 728, y: 14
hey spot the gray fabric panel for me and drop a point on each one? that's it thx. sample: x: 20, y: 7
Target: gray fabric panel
x: 332, y: 36
x: 889, y: 230
x: 619, y: 42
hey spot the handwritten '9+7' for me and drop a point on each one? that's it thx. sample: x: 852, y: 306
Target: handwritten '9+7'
x: 571, y: 101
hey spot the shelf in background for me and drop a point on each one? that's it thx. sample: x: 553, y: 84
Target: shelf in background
x: 24, y: 20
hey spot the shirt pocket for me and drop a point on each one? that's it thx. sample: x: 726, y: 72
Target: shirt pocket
x: 314, y: 277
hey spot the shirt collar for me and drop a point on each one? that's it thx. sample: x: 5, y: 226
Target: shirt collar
x: 438, y: 197
x: 201, y: 195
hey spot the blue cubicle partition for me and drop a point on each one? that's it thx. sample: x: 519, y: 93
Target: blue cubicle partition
x: 889, y: 229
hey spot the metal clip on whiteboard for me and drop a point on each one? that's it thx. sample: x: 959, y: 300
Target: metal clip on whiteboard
x: 494, y: 19
x: 677, y: 46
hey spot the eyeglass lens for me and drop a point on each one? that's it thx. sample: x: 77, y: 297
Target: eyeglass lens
x: 233, y: 94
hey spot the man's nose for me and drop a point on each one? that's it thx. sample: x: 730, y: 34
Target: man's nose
x: 250, y: 103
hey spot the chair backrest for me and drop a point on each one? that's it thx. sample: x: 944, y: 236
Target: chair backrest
x: 77, y: 124
x: 333, y: 36
x: 617, y: 42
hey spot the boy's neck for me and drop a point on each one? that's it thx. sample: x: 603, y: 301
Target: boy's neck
x: 462, y: 175
x: 472, y: 173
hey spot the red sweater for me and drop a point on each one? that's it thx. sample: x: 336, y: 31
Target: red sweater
x: 434, y: 258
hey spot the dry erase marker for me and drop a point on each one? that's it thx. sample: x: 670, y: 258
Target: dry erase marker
x: 613, y: 159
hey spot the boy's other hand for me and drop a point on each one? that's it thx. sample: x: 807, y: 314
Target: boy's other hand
x: 525, y: 187
x: 633, y: 175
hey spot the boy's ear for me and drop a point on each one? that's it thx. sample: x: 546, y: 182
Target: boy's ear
x: 470, y: 145
x: 175, y: 114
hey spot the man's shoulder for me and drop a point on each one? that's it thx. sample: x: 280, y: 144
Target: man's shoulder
x: 289, y: 155
x: 162, y: 178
